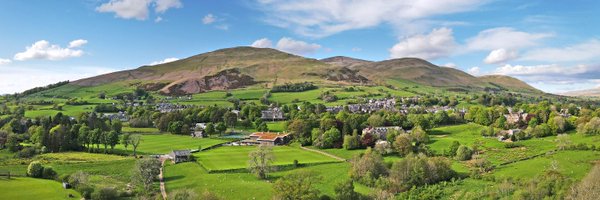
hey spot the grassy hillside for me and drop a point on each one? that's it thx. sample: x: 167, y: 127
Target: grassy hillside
x: 509, y: 83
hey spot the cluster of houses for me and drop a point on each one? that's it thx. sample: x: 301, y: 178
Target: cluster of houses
x: 272, y: 114
x: 381, y: 132
x: 121, y: 116
x: 372, y: 105
x: 169, y: 107
x: 515, y: 117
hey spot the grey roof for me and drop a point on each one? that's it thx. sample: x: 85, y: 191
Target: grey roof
x: 181, y: 152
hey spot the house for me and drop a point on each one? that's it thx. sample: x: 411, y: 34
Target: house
x: 267, y: 138
x: 513, y: 118
x: 272, y: 114
x: 381, y: 132
x: 178, y: 156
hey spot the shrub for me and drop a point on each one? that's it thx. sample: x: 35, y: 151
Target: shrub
x: 183, y: 195
x: 35, y: 169
x: 106, y: 193
x: 351, y: 141
x: 463, y: 153
x: 48, y: 173
x: 511, y: 145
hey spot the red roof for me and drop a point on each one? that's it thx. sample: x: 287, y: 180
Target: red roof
x: 267, y: 135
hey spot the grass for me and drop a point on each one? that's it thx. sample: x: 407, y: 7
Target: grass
x: 236, y: 157
x: 574, y: 164
x: 127, y: 129
x: 342, y: 153
x: 165, y: 143
x: 31, y: 188
x: 245, y: 185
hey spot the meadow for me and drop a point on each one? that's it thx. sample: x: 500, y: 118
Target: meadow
x: 35, y: 189
x: 236, y: 157
x: 165, y: 143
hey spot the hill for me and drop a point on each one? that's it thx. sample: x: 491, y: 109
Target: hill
x: 239, y: 67
x: 422, y: 72
x: 509, y: 83
x: 584, y: 93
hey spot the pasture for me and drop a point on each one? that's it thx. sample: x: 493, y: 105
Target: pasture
x: 236, y: 157
x: 165, y: 143
x: 574, y: 164
x: 32, y: 188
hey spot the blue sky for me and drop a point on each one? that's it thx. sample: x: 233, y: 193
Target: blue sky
x: 552, y: 45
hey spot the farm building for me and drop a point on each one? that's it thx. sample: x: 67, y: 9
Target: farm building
x: 267, y: 138
x: 178, y: 156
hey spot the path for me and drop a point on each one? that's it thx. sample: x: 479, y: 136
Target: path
x: 163, y: 191
x: 324, y: 153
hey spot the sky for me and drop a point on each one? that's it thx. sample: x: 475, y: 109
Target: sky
x: 553, y: 45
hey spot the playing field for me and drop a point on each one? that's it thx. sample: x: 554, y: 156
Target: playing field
x: 32, y: 188
x: 236, y: 157
x: 164, y: 143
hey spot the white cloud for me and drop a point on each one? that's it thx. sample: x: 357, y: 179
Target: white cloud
x: 504, y: 37
x: 500, y: 56
x: 451, y: 65
x: 5, y: 61
x: 164, y: 5
x: 439, y: 43
x: 127, y: 9
x: 20, y: 78
x: 166, y: 60
x: 137, y: 9
x: 208, y: 19
x: 319, y: 18
x: 288, y: 45
x: 552, y: 70
x: 475, y: 71
x: 158, y: 19
x: 296, y: 46
x: 262, y: 43
x: 77, y: 43
x: 44, y: 50
x: 580, y: 52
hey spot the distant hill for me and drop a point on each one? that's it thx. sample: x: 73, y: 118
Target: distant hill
x: 245, y: 66
x: 509, y: 83
x: 584, y: 93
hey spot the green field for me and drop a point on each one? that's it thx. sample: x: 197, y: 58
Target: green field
x: 236, y: 157
x: 246, y: 186
x: 574, y: 164
x: 32, y: 188
x: 164, y: 143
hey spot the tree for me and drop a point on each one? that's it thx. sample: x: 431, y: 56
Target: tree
x: 117, y: 126
x: 125, y: 140
x: 417, y: 170
x: 35, y: 169
x: 210, y: 129
x: 419, y: 136
x: 221, y: 128
x: 331, y: 138
x: 261, y: 161
x: 84, y: 134
x: 262, y: 127
x: 562, y: 141
x: 463, y: 153
x: 105, y: 193
x: 230, y: 119
x: 300, y: 185
x: 368, y: 167
x: 176, y: 127
x: 145, y: 172
x: 403, y: 145
x: 12, y: 142
x: 345, y: 191
x: 113, y: 139
x: 453, y: 148
x: 367, y: 140
x: 375, y: 120
x: 352, y: 141
x: 135, y: 142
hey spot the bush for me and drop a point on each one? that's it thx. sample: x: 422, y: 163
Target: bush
x: 48, y: 173
x: 511, y: 145
x: 183, y: 195
x: 106, y: 193
x: 27, y: 152
x: 293, y: 87
x: 85, y: 191
x: 351, y: 141
x: 35, y: 169
x: 463, y: 153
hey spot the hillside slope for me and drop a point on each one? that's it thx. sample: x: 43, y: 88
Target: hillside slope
x: 509, y: 83
x: 584, y: 93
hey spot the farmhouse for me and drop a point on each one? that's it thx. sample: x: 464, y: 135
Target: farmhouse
x: 267, y: 138
x: 178, y: 156
x: 272, y: 114
x: 380, y: 132
x: 513, y: 118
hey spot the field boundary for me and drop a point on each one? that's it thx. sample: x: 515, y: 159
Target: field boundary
x: 325, y: 153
